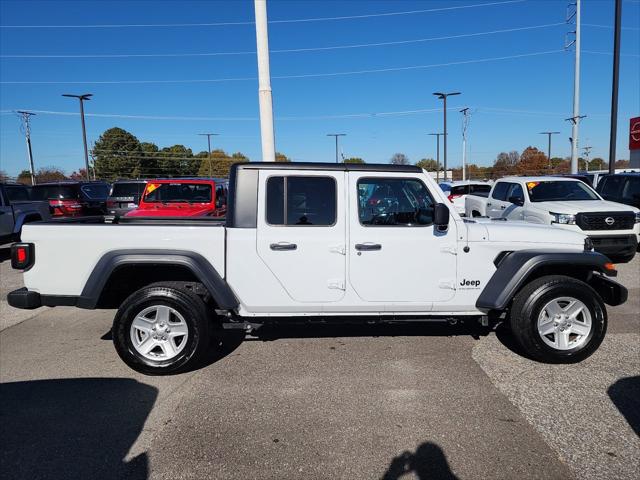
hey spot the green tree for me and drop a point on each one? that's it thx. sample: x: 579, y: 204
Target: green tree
x: 117, y: 154
x: 597, y: 164
x: 177, y: 161
x: 399, y: 159
x: 428, y: 164
x: 148, y: 163
x: 353, y: 160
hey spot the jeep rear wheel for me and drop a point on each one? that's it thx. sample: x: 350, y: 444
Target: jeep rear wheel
x: 558, y: 319
x: 160, y: 329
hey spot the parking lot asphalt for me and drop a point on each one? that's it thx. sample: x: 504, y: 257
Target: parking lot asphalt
x: 383, y: 402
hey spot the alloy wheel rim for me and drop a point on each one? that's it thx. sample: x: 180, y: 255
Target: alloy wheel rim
x: 159, y: 333
x: 564, y: 323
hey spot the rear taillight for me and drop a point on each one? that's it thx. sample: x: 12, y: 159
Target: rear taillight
x: 452, y: 197
x: 22, y: 255
x: 111, y: 204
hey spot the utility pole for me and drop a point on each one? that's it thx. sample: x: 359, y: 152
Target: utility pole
x: 614, y: 88
x: 576, y: 84
x: 209, y: 135
x: 26, y: 116
x: 82, y: 98
x: 336, y: 135
x: 437, y: 135
x: 264, y: 83
x: 465, y: 124
x: 443, y: 96
x: 548, y: 134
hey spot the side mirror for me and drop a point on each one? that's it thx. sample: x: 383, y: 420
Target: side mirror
x: 441, y: 215
x: 517, y: 201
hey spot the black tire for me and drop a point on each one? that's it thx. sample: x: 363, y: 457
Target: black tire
x: 530, y: 301
x: 189, y: 305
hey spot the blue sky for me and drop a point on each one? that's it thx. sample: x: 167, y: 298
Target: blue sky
x: 511, y: 99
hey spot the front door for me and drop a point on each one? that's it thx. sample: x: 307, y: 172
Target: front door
x: 301, y: 233
x: 396, y: 254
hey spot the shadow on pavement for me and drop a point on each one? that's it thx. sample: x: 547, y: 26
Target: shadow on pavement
x: 625, y: 395
x: 73, y: 428
x: 5, y: 254
x: 428, y: 462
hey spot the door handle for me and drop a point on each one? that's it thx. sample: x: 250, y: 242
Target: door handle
x: 363, y: 247
x: 280, y: 246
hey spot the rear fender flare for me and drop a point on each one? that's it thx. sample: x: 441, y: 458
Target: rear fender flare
x: 196, y: 263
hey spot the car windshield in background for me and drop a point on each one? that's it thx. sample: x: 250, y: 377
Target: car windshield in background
x: 560, y: 191
x: 178, y: 192
x: 127, y: 189
x: 99, y: 190
x: 54, y: 192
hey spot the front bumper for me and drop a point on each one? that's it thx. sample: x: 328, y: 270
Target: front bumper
x: 616, y: 247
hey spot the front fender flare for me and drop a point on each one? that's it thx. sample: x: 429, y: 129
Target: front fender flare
x: 514, y: 270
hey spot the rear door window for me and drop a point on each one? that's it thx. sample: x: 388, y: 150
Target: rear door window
x: 17, y: 193
x: 301, y: 201
x: 500, y: 191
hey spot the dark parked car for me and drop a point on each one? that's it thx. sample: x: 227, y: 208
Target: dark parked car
x: 71, y: 199
x: 16, y: 209
x: 125, y: 196
x: 621, y: 188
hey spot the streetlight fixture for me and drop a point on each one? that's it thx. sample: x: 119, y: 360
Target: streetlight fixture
x: 549, y: 146
x: 209, y: 135
x: 443, y: 96
x: 82, y: 98
x: 336, y: 135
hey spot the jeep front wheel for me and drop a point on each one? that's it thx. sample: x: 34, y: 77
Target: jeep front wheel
x: 160, y: 330
x: 558, y: 319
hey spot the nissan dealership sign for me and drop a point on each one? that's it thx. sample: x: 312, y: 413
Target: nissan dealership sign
x: 634, y: 142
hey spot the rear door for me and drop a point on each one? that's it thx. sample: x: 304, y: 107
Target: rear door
x: 396, y: 254
x: 301, y: 232
x: 497, y: 202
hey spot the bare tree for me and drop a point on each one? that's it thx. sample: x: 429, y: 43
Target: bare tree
x: 399, y: 159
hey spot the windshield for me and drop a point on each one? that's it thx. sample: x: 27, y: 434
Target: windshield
x: 127, y: 189
x: 560, y: 191
x: 178, y: 192
x: 97, y: 190
x: 54, y: 192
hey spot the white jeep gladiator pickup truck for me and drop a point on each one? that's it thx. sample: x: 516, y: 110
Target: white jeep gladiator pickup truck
x: 566, y: 203
x: 308, y: 241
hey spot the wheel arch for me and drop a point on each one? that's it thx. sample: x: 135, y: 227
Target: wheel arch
x: 118, y: 273
x: 516, y: 269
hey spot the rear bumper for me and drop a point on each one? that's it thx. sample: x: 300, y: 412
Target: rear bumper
x: 616, y: 246
x: 28, y: 300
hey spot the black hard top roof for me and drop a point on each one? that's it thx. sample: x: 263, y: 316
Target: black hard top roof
x: 343, y: 167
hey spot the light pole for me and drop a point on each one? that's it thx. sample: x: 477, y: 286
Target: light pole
x: 443, y: 96
x: 336, y: 135
x: 549, y: 146
x: 209, y: 135
x: 437, y: 135
x: 264, y: 82
x: 82, y: 98
x: 26, y: 116
x: 614, y: 88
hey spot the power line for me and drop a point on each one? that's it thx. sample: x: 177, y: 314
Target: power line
x: 296, y: 20
x: 281, y: 77
x: 294, y: 50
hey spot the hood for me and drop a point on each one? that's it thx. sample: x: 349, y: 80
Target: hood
x: 516, y: 231
x: 177, y: 210
x: 583, y: 206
